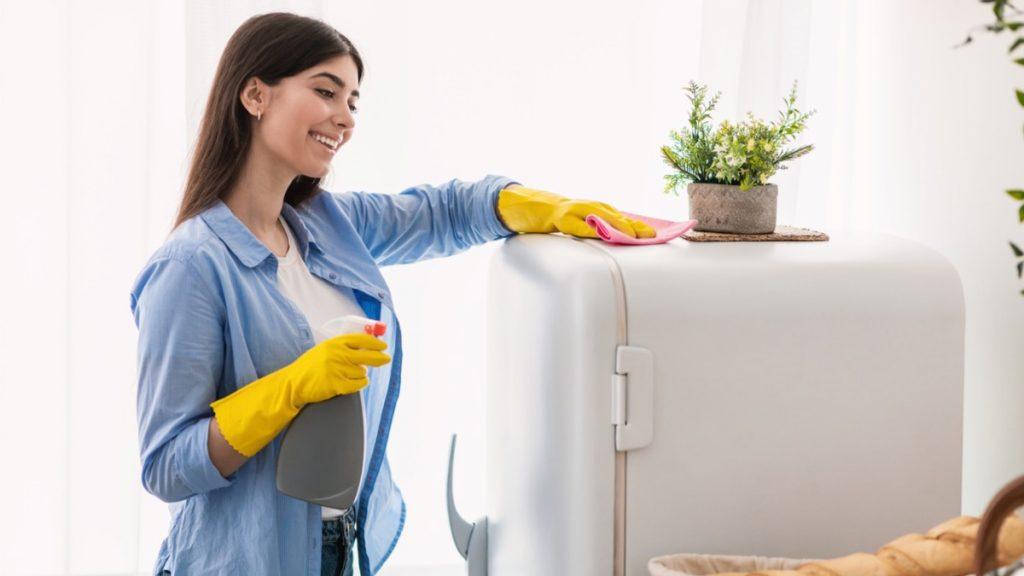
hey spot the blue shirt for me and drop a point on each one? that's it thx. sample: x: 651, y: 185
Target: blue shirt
x: 211, y: 320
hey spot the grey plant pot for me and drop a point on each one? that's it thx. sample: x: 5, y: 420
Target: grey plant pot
x: 724, y: 208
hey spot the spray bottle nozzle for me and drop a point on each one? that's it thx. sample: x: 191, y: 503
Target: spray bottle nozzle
x: 376, y: 329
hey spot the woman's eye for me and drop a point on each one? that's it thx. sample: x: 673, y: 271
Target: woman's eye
x: 330, y: 95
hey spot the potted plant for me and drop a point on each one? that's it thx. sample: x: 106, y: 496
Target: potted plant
x: 726, y: 170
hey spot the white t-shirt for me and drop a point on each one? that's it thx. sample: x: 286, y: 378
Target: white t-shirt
x: 318, y: 300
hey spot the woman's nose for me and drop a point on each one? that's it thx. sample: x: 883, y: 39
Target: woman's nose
x: 346, y: 120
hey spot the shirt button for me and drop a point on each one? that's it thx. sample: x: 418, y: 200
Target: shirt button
x: 333, y: 276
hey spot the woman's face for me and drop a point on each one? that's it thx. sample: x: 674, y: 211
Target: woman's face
x: 316, y: 103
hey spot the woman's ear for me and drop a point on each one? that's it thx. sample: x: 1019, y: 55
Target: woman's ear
x: 255, y: 96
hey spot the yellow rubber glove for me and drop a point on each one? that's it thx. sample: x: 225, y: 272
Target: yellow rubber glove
x: 525, y: 210
x: 253, y: 415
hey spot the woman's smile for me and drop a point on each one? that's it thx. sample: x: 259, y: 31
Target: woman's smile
x: 323, y: 145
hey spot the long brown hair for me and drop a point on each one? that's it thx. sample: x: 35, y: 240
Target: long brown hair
x: 1005, y: 503
x: 271, y: 47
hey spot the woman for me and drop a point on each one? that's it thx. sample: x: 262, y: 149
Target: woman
x: 259, y: 254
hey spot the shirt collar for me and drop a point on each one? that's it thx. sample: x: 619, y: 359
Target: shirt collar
x: 241, y: 241
x: 302, y: 234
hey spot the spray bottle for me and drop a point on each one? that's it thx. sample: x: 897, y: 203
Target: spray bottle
x: 321, y: 458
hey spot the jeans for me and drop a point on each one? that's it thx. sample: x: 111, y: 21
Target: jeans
x: 336, y: 553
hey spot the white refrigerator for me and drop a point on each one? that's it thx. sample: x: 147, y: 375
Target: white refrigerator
x: 798, y: 399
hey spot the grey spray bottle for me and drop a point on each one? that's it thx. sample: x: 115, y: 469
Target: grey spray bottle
x: 321, y: 458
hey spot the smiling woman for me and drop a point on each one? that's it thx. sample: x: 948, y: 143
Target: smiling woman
x: 282, y: 80
x: 304, y: 106
x: 282, y: 104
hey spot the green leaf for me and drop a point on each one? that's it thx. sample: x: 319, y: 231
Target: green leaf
x: 1016, y: 194
x: 1020, y: 97
x: 1016, y: 44
x: 1020, y: 212
x: 1020, y: 61
x: 1016, y: 250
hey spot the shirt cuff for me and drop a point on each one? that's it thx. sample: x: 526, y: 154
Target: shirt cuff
x: 193, y: 459
x: 495, y: 184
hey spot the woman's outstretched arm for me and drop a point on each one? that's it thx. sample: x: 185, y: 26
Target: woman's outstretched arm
x: 425, y: 221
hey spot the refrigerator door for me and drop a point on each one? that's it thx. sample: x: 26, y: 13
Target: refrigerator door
x: 782, y: 399
x: 552, y: 334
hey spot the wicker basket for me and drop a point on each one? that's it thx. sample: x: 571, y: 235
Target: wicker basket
x: 707, y: 564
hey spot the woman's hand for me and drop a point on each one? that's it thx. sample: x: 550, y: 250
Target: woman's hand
x: 335, y: 366
x: 525, y: 210
x: 250, y: 417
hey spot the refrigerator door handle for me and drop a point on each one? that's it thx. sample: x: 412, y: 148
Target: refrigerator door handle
x: 470, y: 539
x: 633, y: 398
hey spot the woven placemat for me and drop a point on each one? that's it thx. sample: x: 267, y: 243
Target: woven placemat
x: 782, y: 233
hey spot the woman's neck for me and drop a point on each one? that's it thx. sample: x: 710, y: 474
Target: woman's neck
x: 258, y: 195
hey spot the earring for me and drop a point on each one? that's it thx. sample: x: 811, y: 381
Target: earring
x: 259, y: 115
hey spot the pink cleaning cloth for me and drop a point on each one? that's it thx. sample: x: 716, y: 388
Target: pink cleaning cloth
x: 665, y: 230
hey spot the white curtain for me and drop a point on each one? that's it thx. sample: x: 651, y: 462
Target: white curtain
x: 913, y: 137
x: 100, y: 103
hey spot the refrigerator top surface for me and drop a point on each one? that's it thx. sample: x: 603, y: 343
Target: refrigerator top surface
x: 848, y: 249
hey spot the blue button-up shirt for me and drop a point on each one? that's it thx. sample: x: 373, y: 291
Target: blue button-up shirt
x: 211, y: 320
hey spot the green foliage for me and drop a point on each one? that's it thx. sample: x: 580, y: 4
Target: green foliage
x: 746, y: 154
x: 692, y: 152
x: 1019, y: 254
x: 1002, y: 24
